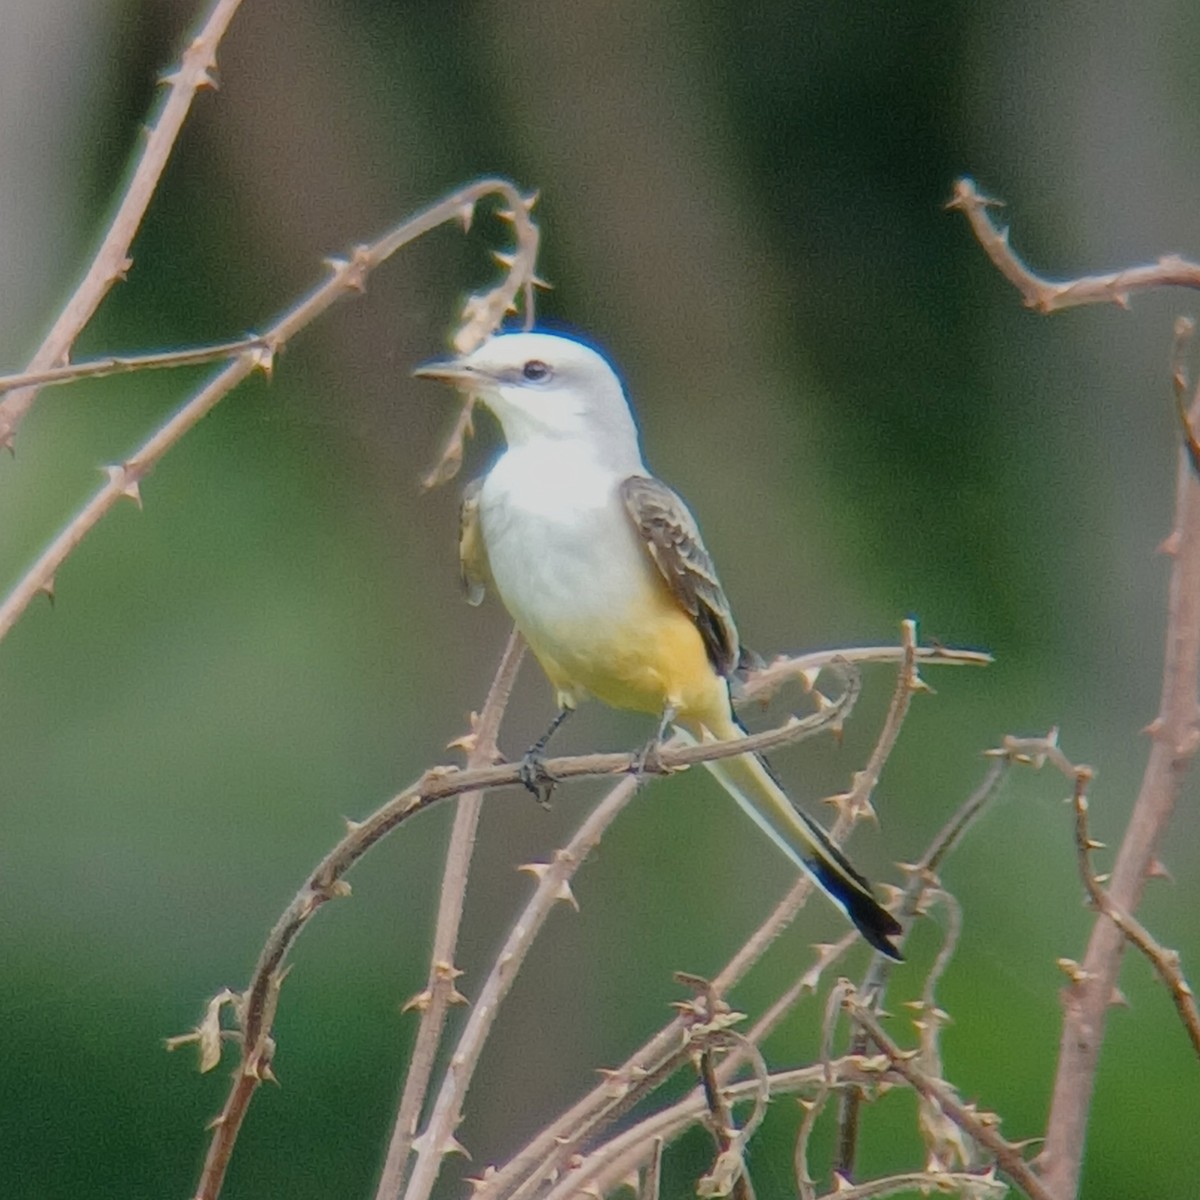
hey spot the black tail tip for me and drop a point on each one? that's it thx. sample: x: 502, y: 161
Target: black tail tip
x: 878, y: 935
x: 875, y: 923
x: 870, y: 918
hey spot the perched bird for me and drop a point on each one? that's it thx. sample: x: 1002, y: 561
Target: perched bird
x: 603, y: 570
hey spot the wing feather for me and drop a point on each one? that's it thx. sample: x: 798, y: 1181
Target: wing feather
x: 672, y: 540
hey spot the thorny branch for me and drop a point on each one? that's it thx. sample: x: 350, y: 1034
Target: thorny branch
x: 1165, y: 962
x: 440, y: 991
x: 348, y: 278
x: 710, y: 1027
x: 855, y: 804
x: 922, y: 876
x: 112, y: 262
x: 257, y: 1004
x: 603, y: 1170
x: 1046, y: 295
x: 553, y: 885
x: 1185, y: 330
x: 926, y: 1183
x: 649, y: 1066
x: 1174, y: 731
x: 256, y: 1007
x: 814, y: 1107
x: 125, y: 364
x: 982, y: 1127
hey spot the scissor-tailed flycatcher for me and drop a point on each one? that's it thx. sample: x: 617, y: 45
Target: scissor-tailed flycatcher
x: 602, y: 568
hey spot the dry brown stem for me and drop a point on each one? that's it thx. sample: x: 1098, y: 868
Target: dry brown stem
x: 855, y: 805
x: 921, y: 877
x: 1046, y: 295
x: 547, y: 1154
x: 926, y: 1183
x: 1185, y: 330
x: 982, y: 1127
x: 112, y: 262
x: 1174, y: 730
x: 123, y: 364
x: 767, y: 680
x: 326, y: 882
x: 710, y: 1029
x: 348, y: 278
x: 605, y: 1167
x: 440, y: 991
x: 652, y: 1176
x: 553, y: 886
x: 1165, y: 962
x: 814, y: 1108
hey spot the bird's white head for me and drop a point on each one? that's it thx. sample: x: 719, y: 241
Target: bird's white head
x: 550, y: 387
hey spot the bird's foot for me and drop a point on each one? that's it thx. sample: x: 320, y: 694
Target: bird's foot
x: 535, y: 777
x: 648, y: 760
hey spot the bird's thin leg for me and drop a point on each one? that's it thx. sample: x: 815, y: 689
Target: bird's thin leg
x: 533, y: 766
x: 648, y: 761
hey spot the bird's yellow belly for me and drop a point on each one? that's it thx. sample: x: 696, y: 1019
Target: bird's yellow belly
x: 583, y: 590
x: 651, y: 659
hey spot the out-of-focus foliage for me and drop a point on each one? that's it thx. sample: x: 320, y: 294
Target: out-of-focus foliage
x: 743, y: 202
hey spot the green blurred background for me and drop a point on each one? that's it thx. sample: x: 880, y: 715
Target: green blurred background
x: 743, y: 202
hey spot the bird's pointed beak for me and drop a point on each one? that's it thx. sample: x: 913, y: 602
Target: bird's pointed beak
x: 447, y: 370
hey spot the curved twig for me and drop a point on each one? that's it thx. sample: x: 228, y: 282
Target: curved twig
x: 121, y: 364
x: 920, y: 876
x: 440, y: 991
x: 347, y: 279
x: 257, y: 1007
x: 980, y: 1126
x: 112, y: 262
x: 659, y: 1057
x: 1046, y: 295
x: 553, y: 885
x: 603, y: 1169
x: 1165, y: 962
x: 1173, y: 731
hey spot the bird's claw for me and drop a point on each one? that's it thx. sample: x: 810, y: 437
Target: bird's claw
x: 535, y: 777
x: 648, y: 760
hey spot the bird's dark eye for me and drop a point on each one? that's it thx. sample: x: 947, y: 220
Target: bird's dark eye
x: 535, y: 371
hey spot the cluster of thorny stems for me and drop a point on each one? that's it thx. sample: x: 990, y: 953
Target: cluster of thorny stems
x: 581, y: 1151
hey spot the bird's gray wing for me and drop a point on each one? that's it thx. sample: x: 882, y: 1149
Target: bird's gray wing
x: 672, y: 539
x: 472, y: 553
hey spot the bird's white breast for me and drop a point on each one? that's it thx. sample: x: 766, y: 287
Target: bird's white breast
x: 560, y: 544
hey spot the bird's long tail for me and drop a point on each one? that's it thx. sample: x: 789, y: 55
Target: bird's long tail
x: 748, y: 779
